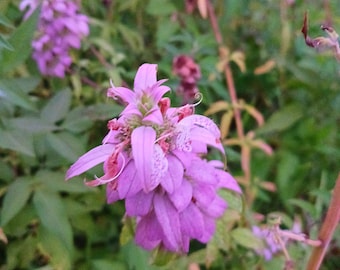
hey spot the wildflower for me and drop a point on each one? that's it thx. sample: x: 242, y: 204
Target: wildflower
x: 189, y: 72
x: 322, y: 43
x: 60, y: 28
x: 152, y: 159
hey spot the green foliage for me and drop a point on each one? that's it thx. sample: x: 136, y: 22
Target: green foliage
x: 47, y: 123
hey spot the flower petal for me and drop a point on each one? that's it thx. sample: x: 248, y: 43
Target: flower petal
x: 111, y: 192
x: 174, y: 176
x: 192, y: 229
x: 168, y: 218
x: 140, y: 204
x: 182, y: 196
x: 146, y: 76
x: 149, y: 233
x: 142, y: 142
x: 92, y: 158
x: 125, y: 94
x: 227, y: 181
x: 128, y: 182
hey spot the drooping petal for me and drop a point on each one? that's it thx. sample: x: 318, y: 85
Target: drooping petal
x: 204, y: 195
x: 205, y: 136
x: 129, y: 183
x: 192, y: 222
x: 173, y: 178
x: 209, y: 229
x: 182, y: 196
x: 203, y: 122
x: 149, y: 233
x: 168, y: 218
x: 227, y: 181
x: 202, y: 172
x: 140, y: 204
x: 216, y: 208
x: 92, y: 158
x: 142, y: 142
x: 146, y: 77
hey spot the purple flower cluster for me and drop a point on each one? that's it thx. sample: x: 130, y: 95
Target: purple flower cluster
x: 189, y: 72
x: 152, y: 159
x: 60, y: 28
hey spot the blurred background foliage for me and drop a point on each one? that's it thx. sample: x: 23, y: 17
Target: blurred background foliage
x: 47, y: 123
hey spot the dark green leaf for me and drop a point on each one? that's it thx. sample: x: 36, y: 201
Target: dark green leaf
x: 51, y: 244
x: 11, y: 91
x: 15, y: 199
x: 160, y: 8
x: 58, y: 106
x: 55, y: 181
x: 281, y: 120
x: 64, y: 146
x: 52, y: 215
x: 5, y: 44
x: 246, y: 238
x: 31, y: 125
x: 17, y: 140
x: 107, y: 265
x: 21, y: 41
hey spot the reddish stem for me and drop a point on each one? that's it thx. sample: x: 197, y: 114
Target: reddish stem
x: 228, y: 73
x: 327, y: 230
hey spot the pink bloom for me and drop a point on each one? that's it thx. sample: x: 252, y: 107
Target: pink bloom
x: 152, y: 160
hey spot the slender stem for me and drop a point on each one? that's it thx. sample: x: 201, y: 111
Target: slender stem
x: 327, y: 229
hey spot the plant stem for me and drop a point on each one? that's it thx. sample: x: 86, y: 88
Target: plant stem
x: 327, y: 229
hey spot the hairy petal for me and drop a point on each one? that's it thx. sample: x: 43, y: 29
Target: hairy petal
x: 142, y: 142
x: 92, y: 158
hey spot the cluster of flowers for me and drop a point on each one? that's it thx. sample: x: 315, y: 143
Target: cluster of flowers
x: 152, y: 159
x: 189, y: 72
x: 60, y: 28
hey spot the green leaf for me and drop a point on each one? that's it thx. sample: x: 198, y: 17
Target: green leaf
x: 233, y: 199
x: 55, y: 181
x: 5, y: 44
x: 31, y: 125
x: 246, y: 238
x: 107, y: 265
x: 60, y: 257
x: 52, y: 215
x: 12, y: 92
x: 15, y: 199
x: 281, y: 119
x: 307, y: 207
x: 132, y: 37
x: 160, y: 8
x: 21, y: 40
x: 58, y: 106
x: 63, y: 146
x: 18, y: 141
x: 5, y: 22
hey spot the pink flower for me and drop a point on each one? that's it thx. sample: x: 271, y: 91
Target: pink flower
x: 152, y: 160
